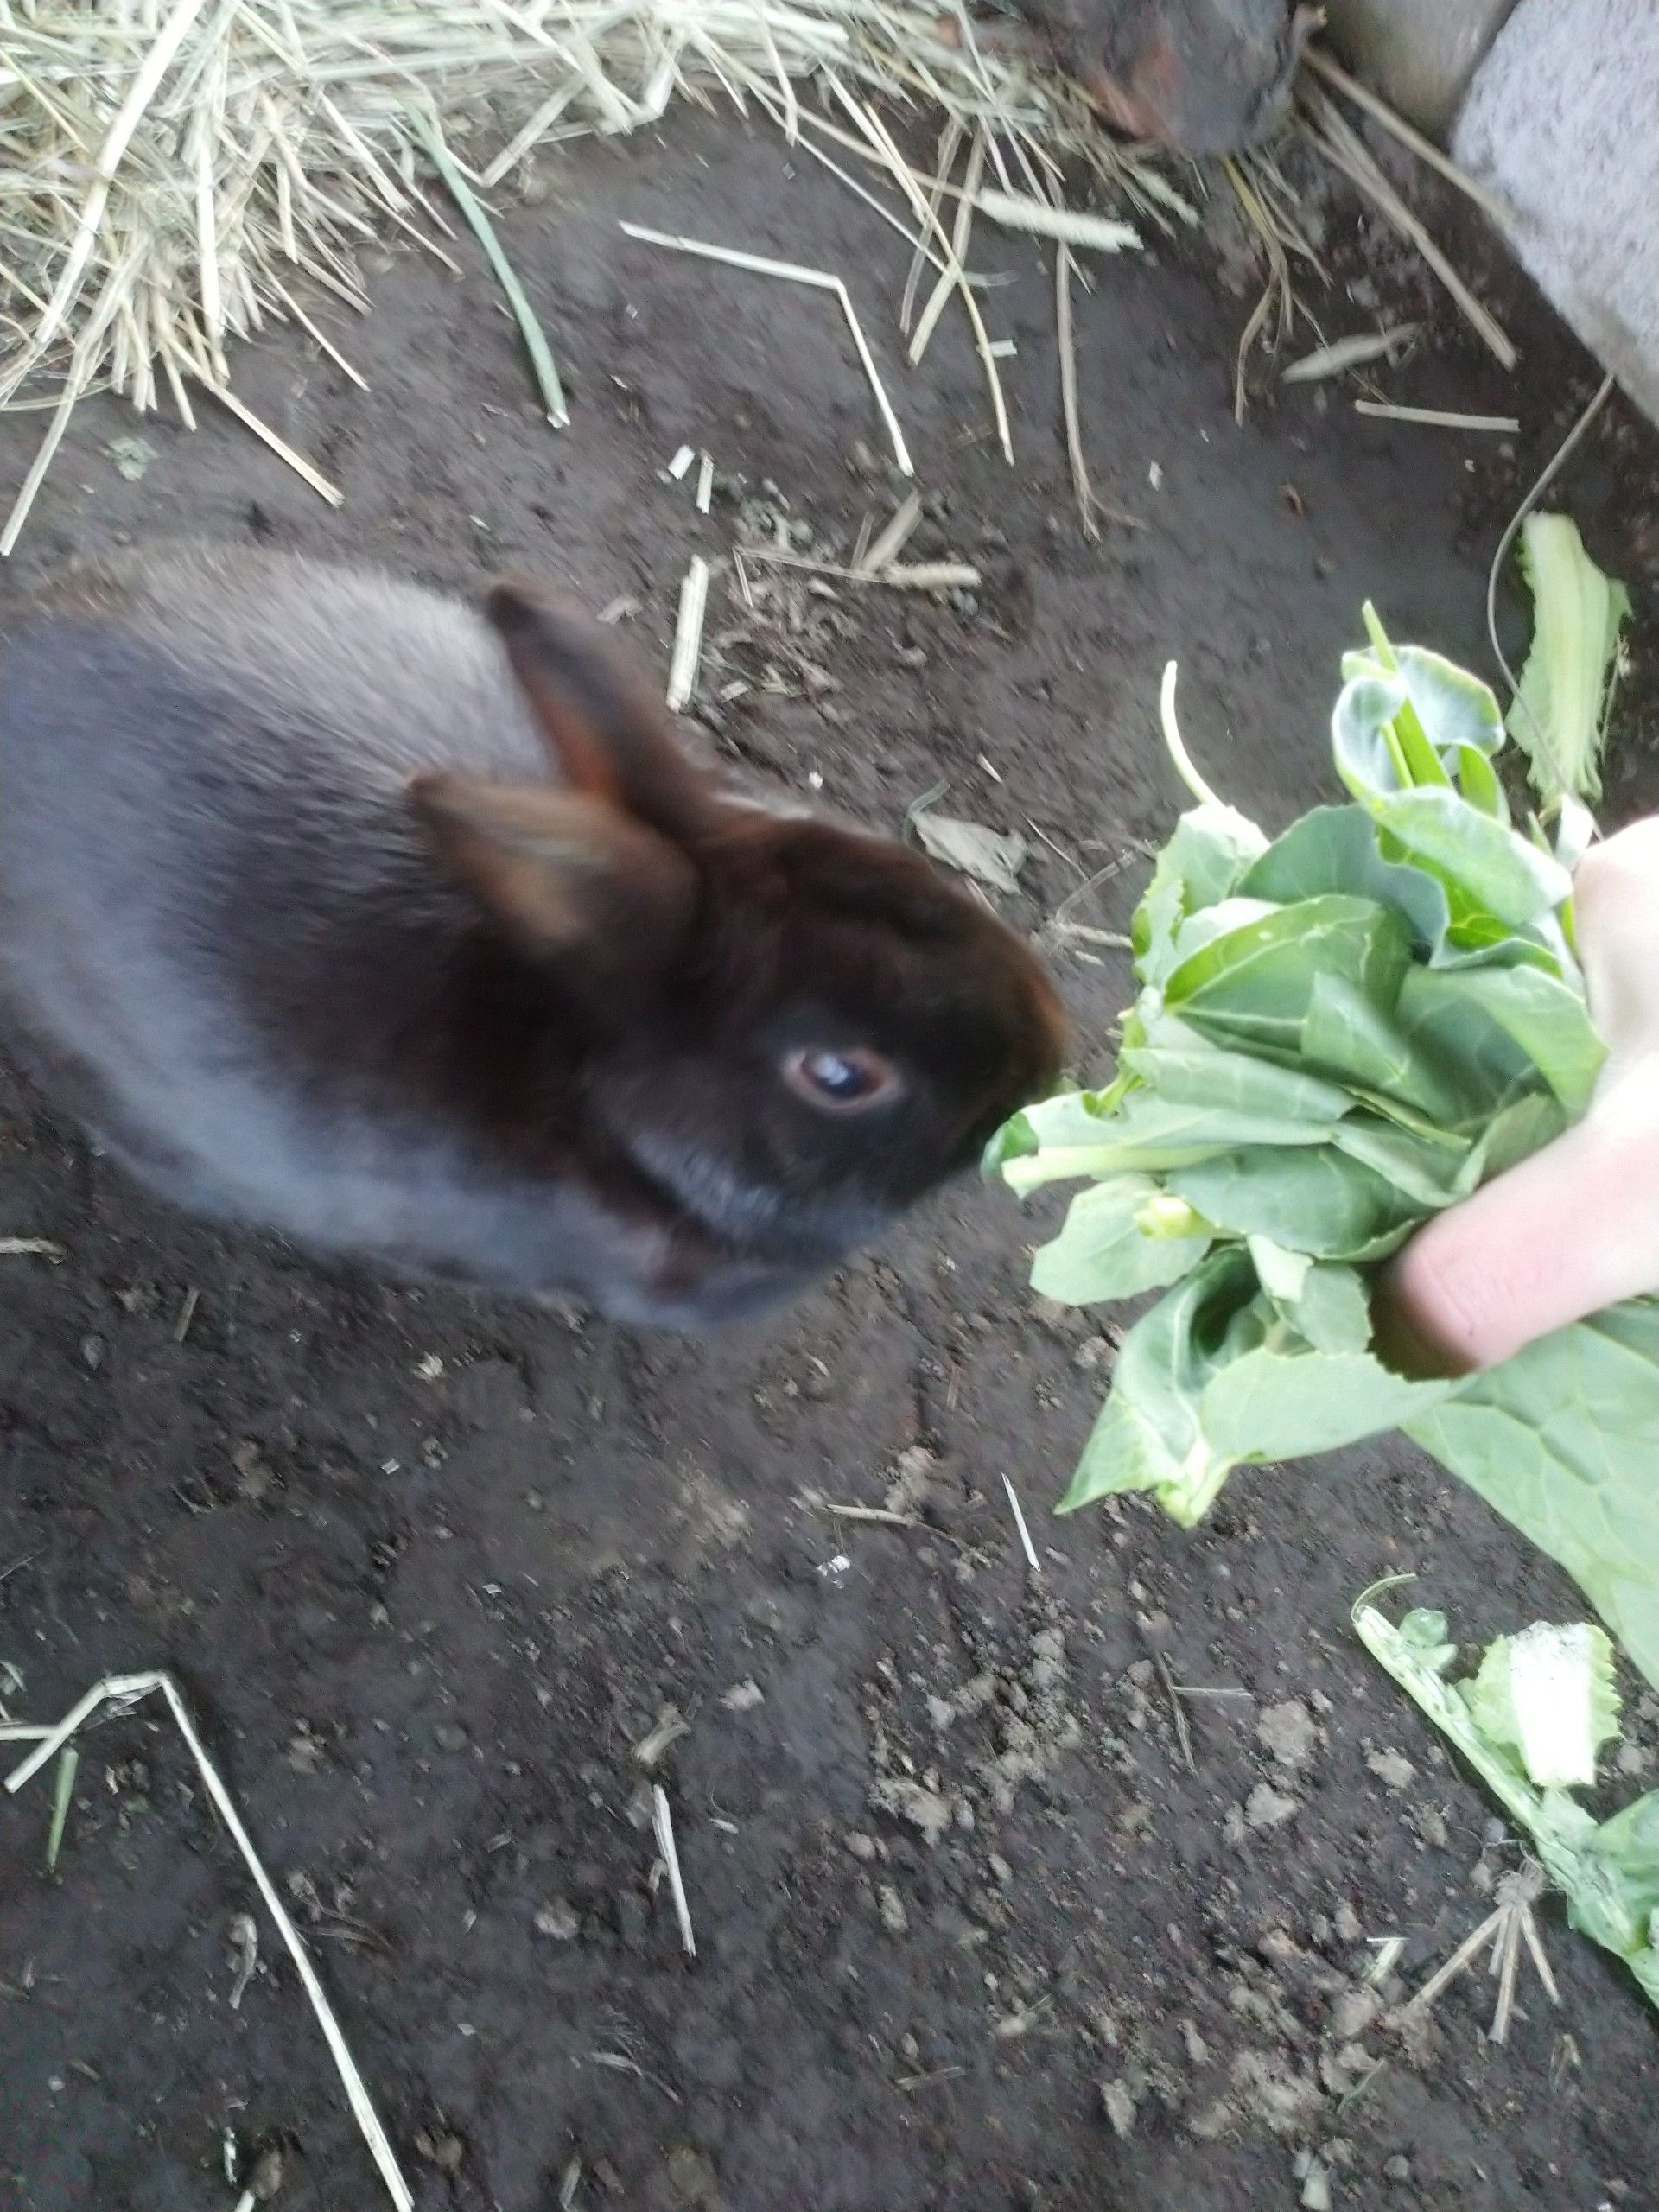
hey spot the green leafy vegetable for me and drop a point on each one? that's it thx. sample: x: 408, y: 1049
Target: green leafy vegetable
x: 1545, y: 1693
x: 1560, y: 715
x: 1338, y: 1033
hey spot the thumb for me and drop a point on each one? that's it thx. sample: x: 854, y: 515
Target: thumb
x: 1571, y: 1229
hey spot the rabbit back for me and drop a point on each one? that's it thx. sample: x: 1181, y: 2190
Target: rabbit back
x: 219, y: 933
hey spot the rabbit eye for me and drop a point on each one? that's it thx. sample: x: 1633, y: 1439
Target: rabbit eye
x: 840, y: 1081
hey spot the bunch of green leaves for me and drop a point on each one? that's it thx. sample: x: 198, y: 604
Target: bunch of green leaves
x: 1339, y: 1032
x: 1534, y: 1697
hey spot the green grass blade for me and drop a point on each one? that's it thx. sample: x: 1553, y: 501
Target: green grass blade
x: 530, y: 329
x: 62, y: 1792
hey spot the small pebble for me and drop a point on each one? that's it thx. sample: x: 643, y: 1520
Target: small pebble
x: 891, y: 1906
x: 632, y: 1923
x: 1392, y: 1767
x: 1119, y: 2104
x: 445, y: 2149
x: 265, y: 2174
x: 691, y: 2173
x: 1316, y: 2188
x: 1287, y: 1733
x: 1268, y: 1807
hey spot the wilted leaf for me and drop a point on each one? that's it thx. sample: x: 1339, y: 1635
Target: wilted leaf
x: 1559, y: 713
x: 132, y: 456
x: 993, y: 857
x: 1346, y: 353
x: 1608, y: 1873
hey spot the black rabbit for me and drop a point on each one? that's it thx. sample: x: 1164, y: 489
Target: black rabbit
x: 405, y: 928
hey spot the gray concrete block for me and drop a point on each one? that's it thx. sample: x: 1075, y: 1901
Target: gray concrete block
x: 1562, y: 122
x: 1419, y: 54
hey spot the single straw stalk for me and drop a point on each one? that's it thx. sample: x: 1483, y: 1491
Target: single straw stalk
x: 1083, y: 490
x: 792, y: 272
x: 1019, y: 1511
x: 687, y: 656
x: 662, y: 1817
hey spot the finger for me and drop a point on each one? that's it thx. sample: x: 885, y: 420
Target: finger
x: 1615, y: 900
x: 1572, y: 1229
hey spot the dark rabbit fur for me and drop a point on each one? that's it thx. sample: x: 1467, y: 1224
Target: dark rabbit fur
x: 405, y: 928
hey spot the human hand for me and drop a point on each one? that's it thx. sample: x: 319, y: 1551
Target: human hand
x: 1575, y: 1227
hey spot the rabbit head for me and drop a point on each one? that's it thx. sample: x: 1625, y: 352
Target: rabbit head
x: 788, y: 1030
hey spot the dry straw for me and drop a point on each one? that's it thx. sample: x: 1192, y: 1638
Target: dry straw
x: 175, y: 176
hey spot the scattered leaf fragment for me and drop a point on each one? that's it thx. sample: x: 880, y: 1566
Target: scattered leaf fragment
x: 993, y: 857
x: 131, y: 456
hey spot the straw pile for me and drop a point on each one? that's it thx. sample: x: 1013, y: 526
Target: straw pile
x: 172, y: 175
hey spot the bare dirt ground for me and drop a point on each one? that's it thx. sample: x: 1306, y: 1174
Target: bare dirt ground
x: 977, y: 1928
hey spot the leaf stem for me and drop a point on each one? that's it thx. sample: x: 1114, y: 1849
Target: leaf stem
x: 1177, y: 752
x: 1380, y: 644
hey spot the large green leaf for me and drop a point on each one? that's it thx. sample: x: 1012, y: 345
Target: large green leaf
x: 1347, y: 1035
x: 1544, y: 1019
x: 1103, y: 1251
x: 1276, y: 1403
x: 1328, y: 1306
x: 1148, y: 1436
x: 1496, y: 871
x: 1426, y: 1170
x: 1264, y: 970
x: 1215, y: 1376
x: 1317, y: 1200
x: 1149, y: 1135
x: 1444, y: 704
x: 1335, y: 848
x: 1564, y: 1440
x: 1208, y: 851
x: 1181, y: 1065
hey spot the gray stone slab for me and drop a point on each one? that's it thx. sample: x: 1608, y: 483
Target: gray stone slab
x: 1562, y: 121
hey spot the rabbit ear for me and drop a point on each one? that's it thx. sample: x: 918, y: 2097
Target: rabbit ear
x: 609, y: 736
x: 560, y: 871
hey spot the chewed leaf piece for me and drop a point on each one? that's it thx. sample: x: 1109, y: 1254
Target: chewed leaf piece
x: 1547, y: 1695
x: 1538, y: 1706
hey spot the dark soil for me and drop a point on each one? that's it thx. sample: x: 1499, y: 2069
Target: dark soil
x: 976, y: 1928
